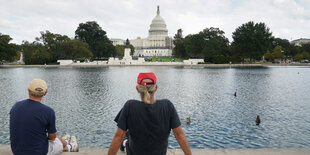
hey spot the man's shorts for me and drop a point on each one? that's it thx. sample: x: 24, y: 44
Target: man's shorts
x: 54, y: 147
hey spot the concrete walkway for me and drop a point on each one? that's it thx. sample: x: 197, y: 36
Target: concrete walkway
x: 6, y: 150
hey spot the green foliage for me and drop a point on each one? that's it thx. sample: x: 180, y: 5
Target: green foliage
x: 284, y: 43
x: 234, y: 59
x: 216, y: 44
x: 252, y: 40
x: 91, y: 33
x: 277, y: 53
x: 50, y: 47
x: 132, y: 49
x: 268, y: 56
x: 17, y: 57
x: 301, y: 56
x: 121, y: 48
x: 35, y: 53
x: 298, y: 57
x: 54, y: 44
x: 40, y: 56
x: 7, y: 50
x: 77, y: 49
x: 293, y: 50
x: 306, y: 55
x: 193, y: 44
x: 179, y: 49
x: 164, y: 59
x: 218, y: 59
x: 210, y: 43
x: 305, y: 47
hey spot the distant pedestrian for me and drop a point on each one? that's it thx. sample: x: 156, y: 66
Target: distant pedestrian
x: 148, y: 121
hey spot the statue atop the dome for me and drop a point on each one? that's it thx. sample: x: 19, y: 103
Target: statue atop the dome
x: 127, y: 43
x: 158, y: 12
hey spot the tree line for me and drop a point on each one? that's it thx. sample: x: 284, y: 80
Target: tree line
x: 90, y: 41
x: 251, y: 42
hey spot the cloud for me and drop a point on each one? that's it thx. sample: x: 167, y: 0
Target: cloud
x: 23, y: 20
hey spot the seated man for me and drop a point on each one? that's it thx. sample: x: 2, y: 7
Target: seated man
x: 32, y: 124
x: 148, y: 121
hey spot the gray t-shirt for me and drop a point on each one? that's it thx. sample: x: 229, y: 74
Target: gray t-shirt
x: 149, y: 126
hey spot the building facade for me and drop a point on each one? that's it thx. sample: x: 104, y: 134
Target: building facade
x: 116, y: 41
x: 158, y: 43
x: 299, y: 42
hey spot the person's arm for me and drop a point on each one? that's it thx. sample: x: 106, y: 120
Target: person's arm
x: 116, y: 142
x: 179, y: 135
x: 51, y: 126
x: 51, y: 136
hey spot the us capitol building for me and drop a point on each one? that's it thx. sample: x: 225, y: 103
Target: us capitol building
x: 158, y: 43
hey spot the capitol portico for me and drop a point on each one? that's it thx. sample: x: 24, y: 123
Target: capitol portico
x: 158, y: 43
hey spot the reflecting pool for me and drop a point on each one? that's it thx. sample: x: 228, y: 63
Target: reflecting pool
x: 86, y: 100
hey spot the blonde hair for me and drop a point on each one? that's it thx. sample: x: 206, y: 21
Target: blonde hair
x: 146, y: 92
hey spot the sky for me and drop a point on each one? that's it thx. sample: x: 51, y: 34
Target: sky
x: 24, y: 19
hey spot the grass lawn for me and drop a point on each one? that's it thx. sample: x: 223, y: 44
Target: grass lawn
x: 164, y: 59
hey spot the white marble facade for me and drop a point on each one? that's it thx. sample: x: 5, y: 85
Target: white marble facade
x: 158, y: 43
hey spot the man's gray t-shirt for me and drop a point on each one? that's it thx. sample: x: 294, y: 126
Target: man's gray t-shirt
x: 149, y: 126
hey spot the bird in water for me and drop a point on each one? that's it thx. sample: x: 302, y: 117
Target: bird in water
x: 257, y: 121
x: 235, y: 94
x: 188, y: 120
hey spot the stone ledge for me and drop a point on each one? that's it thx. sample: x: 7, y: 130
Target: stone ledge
x: 6, y: 150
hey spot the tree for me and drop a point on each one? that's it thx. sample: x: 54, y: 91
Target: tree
x: 7, y: 50
x: 17, y: 56
x: 209, y: 43
x: 91, y: 33
x: 35, y: 53
x: 252, y: 40
x: 121, y: 48
x: 77, y: 49
x: 179, y: 49
x: 277, y: 52
x: 132, y: 49
x: 305, y: 47
x: 303, y: 55
x: 293, y: 50
x: 268, y: 56
x: 40, y: 56
x: 215, y: 45
x: 298, y: 57
x: 284, y: 43
x: 306, y: 55
x: 54, y: 44
x: 193, y: 44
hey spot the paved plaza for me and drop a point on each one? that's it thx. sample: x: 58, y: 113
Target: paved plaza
x: 6, y: 150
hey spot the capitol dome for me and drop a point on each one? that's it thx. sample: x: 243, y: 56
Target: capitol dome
x: 158, y: 26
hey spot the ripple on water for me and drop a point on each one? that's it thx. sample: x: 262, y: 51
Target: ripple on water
x: 86, y: 100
